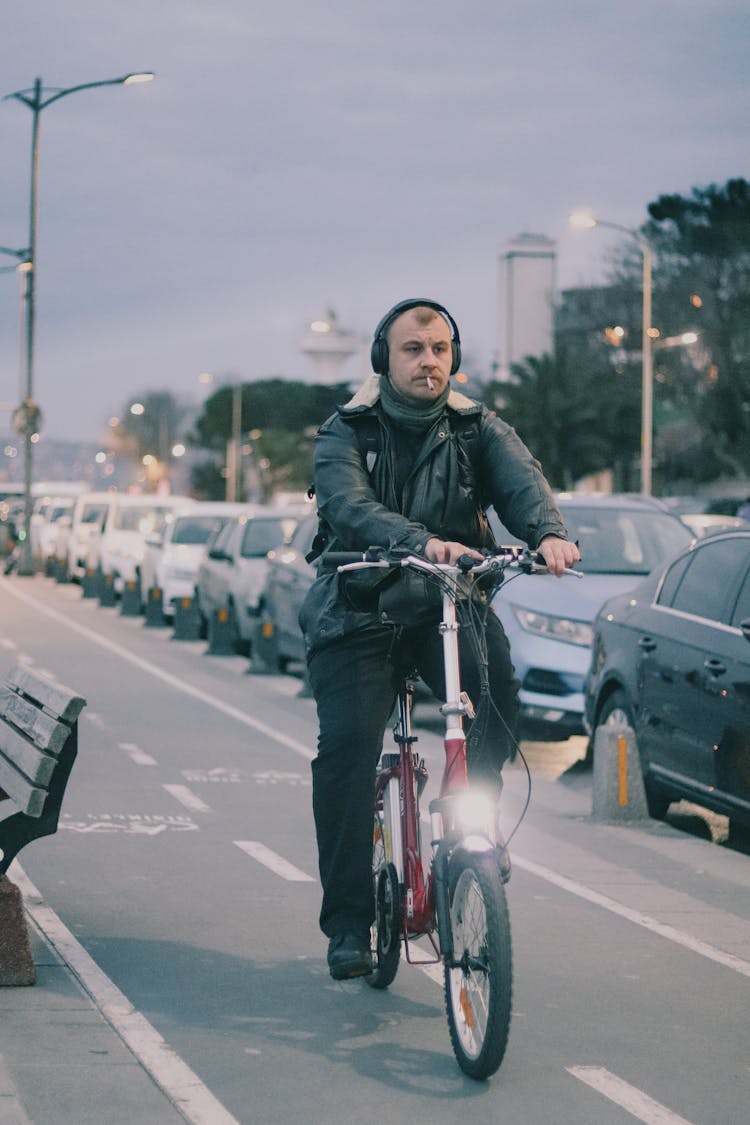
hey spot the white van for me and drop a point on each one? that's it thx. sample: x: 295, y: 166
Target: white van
x: 123, y: 539
x: 86, y: 524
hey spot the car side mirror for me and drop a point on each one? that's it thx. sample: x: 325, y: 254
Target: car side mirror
x: 219, y: 555
x: 745, y: 628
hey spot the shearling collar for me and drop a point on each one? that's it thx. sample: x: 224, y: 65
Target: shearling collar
x: 369, y: 393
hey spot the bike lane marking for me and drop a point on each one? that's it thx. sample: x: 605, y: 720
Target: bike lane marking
x: 628, y: 1097
x: 159, y: 673
x: 187, y: 798
x: 663, y: 929
x: 273, y: 861
x: 171, y: 1073
x: 134, y: 752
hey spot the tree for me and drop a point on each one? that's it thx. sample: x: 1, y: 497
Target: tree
x: 701, y: 244
x: 574, y: 417
x: 280, y: 416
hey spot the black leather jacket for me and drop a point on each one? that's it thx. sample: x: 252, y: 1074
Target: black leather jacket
x: 469, y: 460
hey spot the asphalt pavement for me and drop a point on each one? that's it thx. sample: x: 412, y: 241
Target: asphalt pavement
x: 180, y: 979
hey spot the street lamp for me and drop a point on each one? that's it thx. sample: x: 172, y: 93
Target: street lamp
x: 38, y: 98
x: 583, y: 220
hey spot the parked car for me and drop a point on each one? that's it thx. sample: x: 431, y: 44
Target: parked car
x: 45, y: 524
x: 671, y: 660
x: 80, y: 526
x: 173, y: 555
x: 122, y: 542
x: 278, y: 637
x: 706, y: 523
x: 233, y: 572
x: 549, y: 621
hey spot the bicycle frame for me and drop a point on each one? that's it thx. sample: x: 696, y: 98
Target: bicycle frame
x: 397, y: 793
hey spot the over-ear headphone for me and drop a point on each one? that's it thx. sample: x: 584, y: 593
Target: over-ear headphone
x: 379, y: 349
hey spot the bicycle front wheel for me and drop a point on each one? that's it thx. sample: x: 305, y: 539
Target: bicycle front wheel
x: 386, y: 929
x: 479, y: 982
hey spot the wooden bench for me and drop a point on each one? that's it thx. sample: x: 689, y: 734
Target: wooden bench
x: 38, y: 745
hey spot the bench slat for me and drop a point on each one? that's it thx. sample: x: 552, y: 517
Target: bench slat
x: 44, y: 731
x: 54, y: 697
x: 35, y: 764
x: 28, y: 797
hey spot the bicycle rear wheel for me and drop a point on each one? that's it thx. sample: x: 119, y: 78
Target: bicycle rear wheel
x: 478, y: 990
x: 386, y: 929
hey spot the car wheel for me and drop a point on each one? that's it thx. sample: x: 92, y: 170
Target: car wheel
x: 617, y: 712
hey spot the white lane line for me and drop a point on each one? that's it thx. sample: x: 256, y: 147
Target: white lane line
x: 628, y: 1097
x: 134, y: 752
x: 679, y: 937
x: 187, y: 798
x: 154, y: 671
x: 181, y: 1085
x: 273, y: 861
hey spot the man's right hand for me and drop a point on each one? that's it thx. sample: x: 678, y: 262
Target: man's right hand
x: 440, y: 551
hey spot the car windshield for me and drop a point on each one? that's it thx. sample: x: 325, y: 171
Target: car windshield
x: 93, y: 513
x: 143, y: 519
x: 262, y: 535
x: 196, y: 529
x: 621, y: 540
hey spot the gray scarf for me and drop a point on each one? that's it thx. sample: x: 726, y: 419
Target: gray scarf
x: 407, y: 413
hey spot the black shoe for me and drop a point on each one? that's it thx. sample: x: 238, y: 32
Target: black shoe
x: 349, y: 956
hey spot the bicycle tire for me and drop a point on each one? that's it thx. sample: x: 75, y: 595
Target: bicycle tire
x: 385, y: 931
x: 478, y: 992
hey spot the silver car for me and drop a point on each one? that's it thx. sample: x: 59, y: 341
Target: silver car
x: 233, y: 573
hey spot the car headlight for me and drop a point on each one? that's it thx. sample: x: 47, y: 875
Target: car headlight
x: 555, y: 628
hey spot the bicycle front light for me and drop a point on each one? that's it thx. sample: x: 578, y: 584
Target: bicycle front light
x: 475, y: 813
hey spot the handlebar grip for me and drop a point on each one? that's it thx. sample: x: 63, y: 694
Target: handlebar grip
x: 329, y: 560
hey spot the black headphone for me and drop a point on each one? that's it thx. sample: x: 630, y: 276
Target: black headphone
x: 379, y: 350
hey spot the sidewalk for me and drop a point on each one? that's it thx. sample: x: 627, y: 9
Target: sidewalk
x: 60, y: 1061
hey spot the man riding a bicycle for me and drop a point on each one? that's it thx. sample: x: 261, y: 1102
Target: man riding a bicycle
x: 407, y: 464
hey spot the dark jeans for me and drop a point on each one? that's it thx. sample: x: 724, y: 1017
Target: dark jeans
x: 354, y: 681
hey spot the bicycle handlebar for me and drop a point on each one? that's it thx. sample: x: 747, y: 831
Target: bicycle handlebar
x: 519, y: 558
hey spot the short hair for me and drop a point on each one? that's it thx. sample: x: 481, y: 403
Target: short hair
x: 423, y: 314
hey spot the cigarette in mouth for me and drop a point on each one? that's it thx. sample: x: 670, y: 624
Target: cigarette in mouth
x: 430, y: 383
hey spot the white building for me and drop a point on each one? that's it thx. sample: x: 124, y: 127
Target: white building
x: 329, y: 347
x: 526, y: 299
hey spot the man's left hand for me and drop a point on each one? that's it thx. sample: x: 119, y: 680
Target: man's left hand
x: 558, y: 554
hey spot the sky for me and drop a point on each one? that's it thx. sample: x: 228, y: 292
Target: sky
x: 300, y: 155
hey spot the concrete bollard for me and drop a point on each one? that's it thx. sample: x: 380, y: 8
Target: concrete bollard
x: 154, y: 617
x: 618, y: 792
x: 16, y: 963
x: 107, y: 595
x: 187, y: 620
x: 221, y: 633
x: 130, y: 600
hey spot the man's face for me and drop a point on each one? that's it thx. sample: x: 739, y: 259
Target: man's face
x: 420, y: 356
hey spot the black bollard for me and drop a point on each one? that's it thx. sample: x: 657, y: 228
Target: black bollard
x: 154, y: 617
x: 130, y: 602
x: 107, y: 595
x: 187, y: 620
x: 221, y: 641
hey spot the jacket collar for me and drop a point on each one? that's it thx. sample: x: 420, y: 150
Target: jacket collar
x: 369, y: 393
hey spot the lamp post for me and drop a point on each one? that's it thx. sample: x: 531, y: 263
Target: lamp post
x: 38, y: 98
x: 585, y: 221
